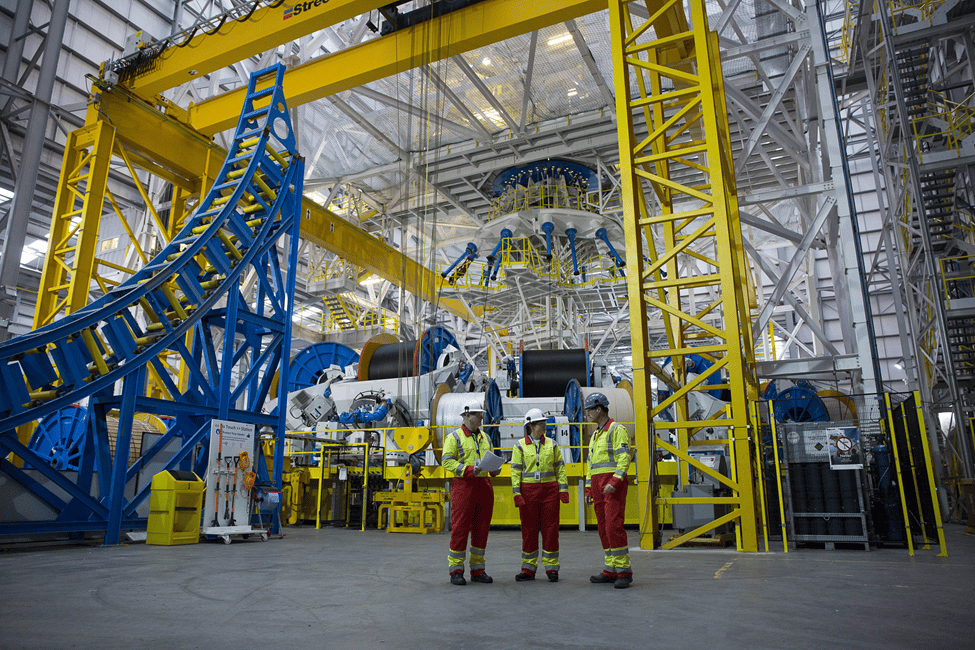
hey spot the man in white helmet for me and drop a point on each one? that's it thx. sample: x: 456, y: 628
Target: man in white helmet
x: 471, y: 493
x: 538, y: 482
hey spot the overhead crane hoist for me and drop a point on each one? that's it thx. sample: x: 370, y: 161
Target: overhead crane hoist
x: 675, y: 64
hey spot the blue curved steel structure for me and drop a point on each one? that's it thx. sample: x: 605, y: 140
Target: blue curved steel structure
x: 190, y: 303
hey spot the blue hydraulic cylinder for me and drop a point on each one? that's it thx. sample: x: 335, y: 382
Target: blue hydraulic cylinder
x: 571, y: 234
x: 505, y: 234
x: 548, y: 228
x: 363, y: 416
x: 469, y: 254
x: 620, y: 262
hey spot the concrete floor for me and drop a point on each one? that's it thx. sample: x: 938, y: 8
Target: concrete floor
x: 337, y: 588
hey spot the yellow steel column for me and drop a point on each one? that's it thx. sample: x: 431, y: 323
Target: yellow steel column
x: 70, y: 261
x: 686, y: 161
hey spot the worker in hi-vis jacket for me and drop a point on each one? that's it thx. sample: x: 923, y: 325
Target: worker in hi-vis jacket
x: 609, y: 458
x: 538, y: 482
x: 471, y: 493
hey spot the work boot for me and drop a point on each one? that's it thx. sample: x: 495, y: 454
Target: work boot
x: 457, y: 579
x: 622, y: 582
x: 482, y: 577
x: 553, y: 576
x: 602, y: 578
x: 524, y: 575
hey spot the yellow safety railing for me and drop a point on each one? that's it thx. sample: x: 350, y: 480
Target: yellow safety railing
x: 320, y: 319
x: 350, y: 206
x: 959, y: 120
x: 922, y: 10
x: 334, y: 269
x: 520, y: 253
x: 543, y: 196
x: 958, y: 280
x: 846, y: 33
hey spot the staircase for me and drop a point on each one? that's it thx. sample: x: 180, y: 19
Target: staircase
x: 938, y: 198
x: 961, y: 346
x: 343, y: 314
x: 912, y: 63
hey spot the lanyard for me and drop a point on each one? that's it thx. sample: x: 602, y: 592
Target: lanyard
x: 477, y: 447
x: 538, y: 457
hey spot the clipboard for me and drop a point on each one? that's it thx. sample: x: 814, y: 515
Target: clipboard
x: 490, y: 463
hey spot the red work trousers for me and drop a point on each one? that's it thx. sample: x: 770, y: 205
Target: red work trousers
x: 540, y: 513
x: 610, y: 510
x: 471, y: 507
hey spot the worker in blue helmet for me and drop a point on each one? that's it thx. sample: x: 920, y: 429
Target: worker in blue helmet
x: 609, y: 459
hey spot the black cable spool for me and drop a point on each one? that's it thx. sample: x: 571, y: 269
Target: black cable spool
x: 545, y: 373
x: 393, y: 360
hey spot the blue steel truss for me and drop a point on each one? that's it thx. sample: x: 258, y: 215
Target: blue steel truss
x: 215, y: 300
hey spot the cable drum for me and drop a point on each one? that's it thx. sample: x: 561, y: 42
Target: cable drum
x: 620, y: 410
x: 386, y: 357
x: 393, y: 360
x: 545, y: 373
x: 446, y: 415
x: 447, y: 408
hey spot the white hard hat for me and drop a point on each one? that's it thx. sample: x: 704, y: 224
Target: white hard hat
x: 534, y: 415
x: 474, y: 405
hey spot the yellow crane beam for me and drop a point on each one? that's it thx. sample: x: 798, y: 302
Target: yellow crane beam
x: 460, y: 31
x: 267, y: 28
x: 351, y: 243
x: 173, y: 151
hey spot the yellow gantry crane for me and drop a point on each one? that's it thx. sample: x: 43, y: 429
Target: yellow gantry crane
x: 685, y: 161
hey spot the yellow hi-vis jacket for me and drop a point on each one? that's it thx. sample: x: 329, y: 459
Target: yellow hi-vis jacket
x: 543, y: 458
x: 609, y: 451
x: 463, y: 449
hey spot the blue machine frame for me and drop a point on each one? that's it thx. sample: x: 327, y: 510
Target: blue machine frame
x: 186, y: 294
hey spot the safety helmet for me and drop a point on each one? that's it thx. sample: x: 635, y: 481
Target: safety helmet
x: 534, y: 415
x: 474, y: 405
x: 596, y: 399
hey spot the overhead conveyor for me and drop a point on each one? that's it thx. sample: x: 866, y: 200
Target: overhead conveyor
x: 190, y: 305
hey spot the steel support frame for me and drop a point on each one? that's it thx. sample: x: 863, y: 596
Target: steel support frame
x: 680, y: 94
x: 87, y: 353
x: 930, y: 365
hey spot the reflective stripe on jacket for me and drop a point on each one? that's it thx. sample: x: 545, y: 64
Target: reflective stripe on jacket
x: 525, y: 461
x: 609, y: 451
x: 461, y: 450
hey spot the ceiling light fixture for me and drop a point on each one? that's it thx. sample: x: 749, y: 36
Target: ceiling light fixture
x: 558, y: 40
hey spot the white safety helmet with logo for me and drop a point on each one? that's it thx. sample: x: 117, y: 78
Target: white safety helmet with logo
x: 534, y: 415
x: 474, y: 405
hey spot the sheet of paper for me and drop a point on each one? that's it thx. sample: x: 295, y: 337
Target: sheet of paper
x: 490, y: 463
